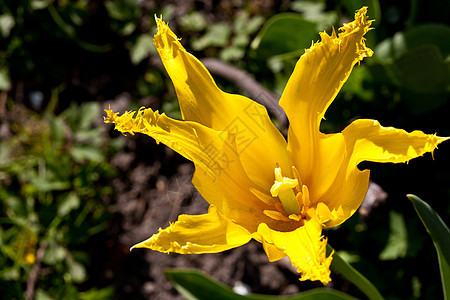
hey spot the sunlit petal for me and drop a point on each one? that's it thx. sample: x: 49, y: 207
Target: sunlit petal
x: 315, y: 82
x: 337, y: 180
x: 219, y: 176
x: 373, y: 142
x: 203, y: 102
x: 208, y: 233
x: 304, y: 246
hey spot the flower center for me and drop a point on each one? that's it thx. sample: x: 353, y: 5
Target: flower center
x: 283, y: 189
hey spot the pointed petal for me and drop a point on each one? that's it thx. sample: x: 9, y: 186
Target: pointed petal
x: 317, y: 78
x: 208, y: 233
x: 219, y: 176
x: 373, y: 142
x: 260, y: 145
x: 273, y: 252
x: 304, y: 246
x: 323, y: 160
x: 346, y: 193
x: 338, y: 182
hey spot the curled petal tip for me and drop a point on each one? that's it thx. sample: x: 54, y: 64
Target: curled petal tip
x: 157, y: 20
x: 358, y: 28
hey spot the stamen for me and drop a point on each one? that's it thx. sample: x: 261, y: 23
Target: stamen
x: 276, y: 215
x: 282, y: 188
x: 297, y: 176
x: 295, y: 217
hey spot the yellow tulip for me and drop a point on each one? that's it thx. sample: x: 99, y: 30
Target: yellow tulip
x: 280, y: 193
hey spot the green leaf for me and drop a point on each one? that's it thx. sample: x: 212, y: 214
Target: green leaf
x: 7, y: 22
x: 283, y: 33
x: 194, y: 21
x: 244, y: 25
x: 355, y: 85
x: 417, y: 61
x: 12, y: 274
x: 425, y: 69
x: 69, y: 203
x: 42, y: 295
x: 46, y: 185
x: 40, y: 4
x: 75, y: 271
x: 122, y: 10
x: 89, y: 112
x: 142, y: 48
x: 57, y: 130
x: 429, y: 34
x: 98, y: 294
x: 54, y: 254
x: 314, y: 11
x: 440, y: 234
x: 194, y: 285
x: 217, y: 35
x: 437, y: 229
x: 81, y: 153
x: 253, y: 24
x: 62, y: 24
x: 5, y: 82
x: 340, y: 266
x: 397, y: 244
x: 232, y: 53
x: 445, y: 273
x: 424, y: 35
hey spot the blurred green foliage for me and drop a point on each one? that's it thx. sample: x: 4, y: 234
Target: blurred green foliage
x: 30, y: 27
x: 233, y: 39
x: 413, y: 65
x: 194, y: 285
x: 52, y: 179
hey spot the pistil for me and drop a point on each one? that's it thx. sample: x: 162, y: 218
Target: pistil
x: 282, y: 188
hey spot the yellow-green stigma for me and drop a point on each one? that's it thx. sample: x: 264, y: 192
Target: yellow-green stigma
x: 282, y: 188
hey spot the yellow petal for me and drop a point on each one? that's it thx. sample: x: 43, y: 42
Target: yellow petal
x: 337, y: 181
x: 208, y: 233
x: 317, y: 78
x: 373, y: 142
x: 197, y: 143
x: 304, y: 246
x: 259, y: 144
x: 324, y: 213
x: 219, y: 176
x: 272, y: 251
x: 233, y: 198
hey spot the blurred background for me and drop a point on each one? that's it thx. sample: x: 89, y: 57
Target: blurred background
x: 75, y: 195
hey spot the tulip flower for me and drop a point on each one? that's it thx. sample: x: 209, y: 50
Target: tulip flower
x: 259, y: 185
